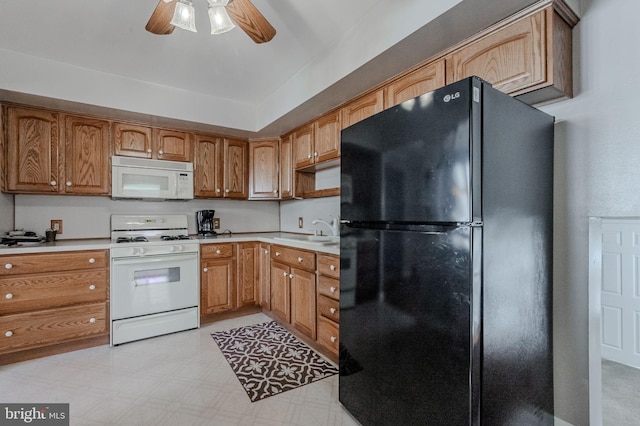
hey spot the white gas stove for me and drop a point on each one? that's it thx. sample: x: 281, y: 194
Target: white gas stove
x: 155, y: 281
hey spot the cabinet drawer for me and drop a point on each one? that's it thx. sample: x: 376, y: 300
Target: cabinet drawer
x: 34, y: 292
x: 23, y: 331
x: 47, y: 262
x: 329, y: 287
x: 328, y: 333
x: 213, y: 251
x: 329, y: 265
x: 299, y: 258
x: 329, y: 308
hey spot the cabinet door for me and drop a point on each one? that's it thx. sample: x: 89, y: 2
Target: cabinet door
x: 236, y: 165
x: 303, y: 146
x: 132, y: 140
x: 264, y: 171
x: 286, y: 167
x: 32, y: 150
x: 326, y: 137
x: 423, y: 80
x: 265, y: 276
x: 303, y: 301
x: 217, y: 282
x: 172, y: 145
x: 511, y: 59
x: 280, y: 288
x: 208, y: 164
x: 86, y: 156
x: 366, y: 106
x: 247, y: 277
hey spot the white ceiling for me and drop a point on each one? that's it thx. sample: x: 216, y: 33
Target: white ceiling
x: 97, y: 52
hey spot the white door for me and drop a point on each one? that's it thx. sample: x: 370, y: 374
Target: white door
x: 621, y: 291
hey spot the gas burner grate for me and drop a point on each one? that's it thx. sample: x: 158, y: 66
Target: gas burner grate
x: 138, y: 239
x: 175, y: 237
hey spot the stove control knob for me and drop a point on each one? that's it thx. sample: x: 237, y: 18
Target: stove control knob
x: 172, y: 249
x: 180, y: 248
x: 142, y: 250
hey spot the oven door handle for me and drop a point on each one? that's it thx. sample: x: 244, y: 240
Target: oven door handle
x: 154, y: 258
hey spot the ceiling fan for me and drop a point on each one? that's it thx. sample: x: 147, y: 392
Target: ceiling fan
x: 168, y: 14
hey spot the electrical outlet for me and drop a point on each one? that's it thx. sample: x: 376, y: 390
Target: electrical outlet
x: 56, y: 225
x: 300, y: 222
x: 216, y: 223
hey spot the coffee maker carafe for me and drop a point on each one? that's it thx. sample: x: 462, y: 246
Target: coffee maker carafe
x: 204, y: 219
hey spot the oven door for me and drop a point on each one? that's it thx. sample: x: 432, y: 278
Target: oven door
x: 152, y: 284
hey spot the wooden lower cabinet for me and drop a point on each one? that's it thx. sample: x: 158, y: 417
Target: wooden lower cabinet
x: 52, y: 298
x: 217, y: 278
x: 247, y: 277
x: 264, y: 277
x: 280, y: 291
x: 329, y: 303
x: 303, y: 301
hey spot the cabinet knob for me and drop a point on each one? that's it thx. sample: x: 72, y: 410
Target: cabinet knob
x: 149, y: 150
x: 218, y: 252
x: 8, y: 333
x: 226, y: 190
x: 92, y: 320
x: 332, y: 310
x: 160, y: 152
x: 69, y: 183
x: 53, y: 183
x: 8, y: 296
x: 277, y: 253
x: 290, y: 275
x: 266, y: 252
x: 284, y: 274
x: 299, y: 260
x: 8, y: 266
x: 92, y: 260
x: 315, y: 154
x: 275, y: 191
x: 205, y: 270
x: 333, y: 339
x: 309, y: 156
x: 332, y: 289
x: 217, y: 189
x: 92, y: 287
x: 332, y: 267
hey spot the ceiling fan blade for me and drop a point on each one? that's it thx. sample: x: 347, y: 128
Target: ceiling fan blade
x: 252, y: 22
x: 159, y: 23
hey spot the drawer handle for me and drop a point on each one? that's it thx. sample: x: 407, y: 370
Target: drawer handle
x: 92, y: 260
x: 332, y: 267
x: 332, y: 289
x: 205, y: 270
x: 8, y: 266
x: 299, y: 260
x: 218, y: 252
x: 332, y: 310
x: 92, y: 287
x: 8, y: 296
x: 8, y: 333
x: 277, y: 253
x: 333, y: 339
x: 92, y: 320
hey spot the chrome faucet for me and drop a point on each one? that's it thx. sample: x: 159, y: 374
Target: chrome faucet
x: 334, y: 225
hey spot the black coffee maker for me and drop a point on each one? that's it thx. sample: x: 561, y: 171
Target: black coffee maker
x: 204, y: 219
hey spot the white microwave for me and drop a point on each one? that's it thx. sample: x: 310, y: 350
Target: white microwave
x: 146, y: 179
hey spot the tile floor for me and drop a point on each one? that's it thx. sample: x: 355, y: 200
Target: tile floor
x: 179, y: 379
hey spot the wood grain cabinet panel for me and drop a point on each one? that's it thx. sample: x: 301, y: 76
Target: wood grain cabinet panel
x: 286, y: 167
x: 172, y: 145
x: 236, y: 169
x: 48, y: 262
x: 423, y: 80
x: 248, y: 274
x: 264, y: 169
x: 265, y: 276
x: 328, y: 303
x: 132, y: 140
x: 31, y: 138
x: 303, y: 146
x: 326, y: 137
x: 87, y: 156
x: 280, y: 291
x: 362, y: 107
x: 208, y: 166
x: 217, y: 278
x: 303, y: 301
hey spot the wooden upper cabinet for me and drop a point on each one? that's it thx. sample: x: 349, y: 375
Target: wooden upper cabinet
x: 286, y: 167
x: 264, y: 169
x: 208, y: 166
x: 326, y: 137
x: 132, y: 140
x: 86, y: 161
x: 172, y: 145
x: 236, y: 167
x: 32, y: 150
x: 422, y: 80
x: 530, y: 53
x: 363, y: 107
x: 303, y: 146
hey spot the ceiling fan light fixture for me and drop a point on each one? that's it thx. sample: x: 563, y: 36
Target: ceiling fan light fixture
x: 184, y: 16
x: 219, y: 18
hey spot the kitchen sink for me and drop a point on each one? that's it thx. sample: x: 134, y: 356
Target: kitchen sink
x: 321, y: 240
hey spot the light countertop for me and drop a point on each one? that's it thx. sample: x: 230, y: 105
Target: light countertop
x: 105, y: 243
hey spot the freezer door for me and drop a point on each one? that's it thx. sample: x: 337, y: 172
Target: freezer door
x: 406, y: 326
x: 412, y: 163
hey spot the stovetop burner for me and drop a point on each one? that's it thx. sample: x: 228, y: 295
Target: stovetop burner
x: 138, y: 239
x: 175, y: 237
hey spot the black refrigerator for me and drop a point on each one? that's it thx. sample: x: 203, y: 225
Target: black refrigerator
x: 446, y: 262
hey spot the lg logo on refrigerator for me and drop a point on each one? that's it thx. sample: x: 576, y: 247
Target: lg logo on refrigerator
x: 451, y: 97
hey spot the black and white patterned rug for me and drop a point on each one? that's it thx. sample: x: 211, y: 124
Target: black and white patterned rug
x: 269, y: 360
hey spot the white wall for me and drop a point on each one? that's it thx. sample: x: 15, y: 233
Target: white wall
x: 309, y: 210
x: 89, y: 217
x: 596, y: 174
